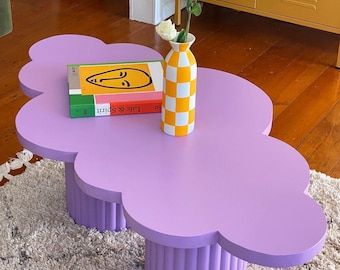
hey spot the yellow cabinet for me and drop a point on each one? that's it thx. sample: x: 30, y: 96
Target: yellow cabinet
x: 226, y: 3
x: 324, y: 12
x: 319, y: 14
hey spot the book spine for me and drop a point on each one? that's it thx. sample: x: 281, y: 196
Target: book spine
x: 115, y: 108
x: 135, y: 107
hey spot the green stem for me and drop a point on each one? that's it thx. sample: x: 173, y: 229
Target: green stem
x: 187, y: 28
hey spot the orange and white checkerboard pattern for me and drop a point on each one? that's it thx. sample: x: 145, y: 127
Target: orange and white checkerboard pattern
x: 179, y: 95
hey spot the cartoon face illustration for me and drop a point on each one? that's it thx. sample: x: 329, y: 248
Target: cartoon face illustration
x: 121, y: 78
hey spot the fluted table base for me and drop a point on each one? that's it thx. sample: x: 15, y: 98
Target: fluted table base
x: 88, y: 211
x: 159, y: 257
x: 102, y: 215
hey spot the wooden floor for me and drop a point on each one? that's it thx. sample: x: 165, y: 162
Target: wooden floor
x: 294, y: 65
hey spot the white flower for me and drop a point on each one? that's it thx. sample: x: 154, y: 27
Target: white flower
x: 166, y: 30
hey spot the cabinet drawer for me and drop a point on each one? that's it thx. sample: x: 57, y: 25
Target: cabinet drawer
x: 326, y: 12
x: 245, y: 3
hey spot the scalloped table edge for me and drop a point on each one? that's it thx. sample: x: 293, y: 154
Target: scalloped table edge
x: 89, y: 208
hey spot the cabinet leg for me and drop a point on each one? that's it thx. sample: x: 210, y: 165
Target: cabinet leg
x: 177, y: 12
x: 338, y: 61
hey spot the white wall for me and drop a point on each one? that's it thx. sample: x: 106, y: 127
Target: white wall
x: 152, y: 11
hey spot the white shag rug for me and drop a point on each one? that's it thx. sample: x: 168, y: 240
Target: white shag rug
x: 37, y: 233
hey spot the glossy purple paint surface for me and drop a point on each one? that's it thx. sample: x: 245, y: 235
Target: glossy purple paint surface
x: 227, y: 182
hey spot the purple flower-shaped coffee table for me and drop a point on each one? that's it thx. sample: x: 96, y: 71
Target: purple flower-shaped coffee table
x: 226, y: 194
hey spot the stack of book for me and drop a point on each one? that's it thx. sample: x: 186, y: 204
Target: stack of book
x: 115, y: 88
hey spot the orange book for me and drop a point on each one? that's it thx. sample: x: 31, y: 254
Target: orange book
x: 115, y: 88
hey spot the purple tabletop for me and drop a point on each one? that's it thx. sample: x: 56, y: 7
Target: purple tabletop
x: 227, y: 182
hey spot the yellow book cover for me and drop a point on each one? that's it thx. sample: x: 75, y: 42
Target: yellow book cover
x: 118, y: 78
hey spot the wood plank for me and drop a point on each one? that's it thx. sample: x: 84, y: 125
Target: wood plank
x: 335, y: 172
x: 308, y: 109
x: 338, y: 59
x: 317, y: 143
x: 290, y: 66
x: 235, y: 47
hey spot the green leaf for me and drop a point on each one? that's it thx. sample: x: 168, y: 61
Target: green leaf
x: 197, y: 9
x: 181, y: 36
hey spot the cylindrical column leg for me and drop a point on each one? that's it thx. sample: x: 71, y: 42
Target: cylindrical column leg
x: 211, y: 257
x: 89, y: 211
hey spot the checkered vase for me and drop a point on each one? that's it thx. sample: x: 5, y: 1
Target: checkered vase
x: 179, y: 95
